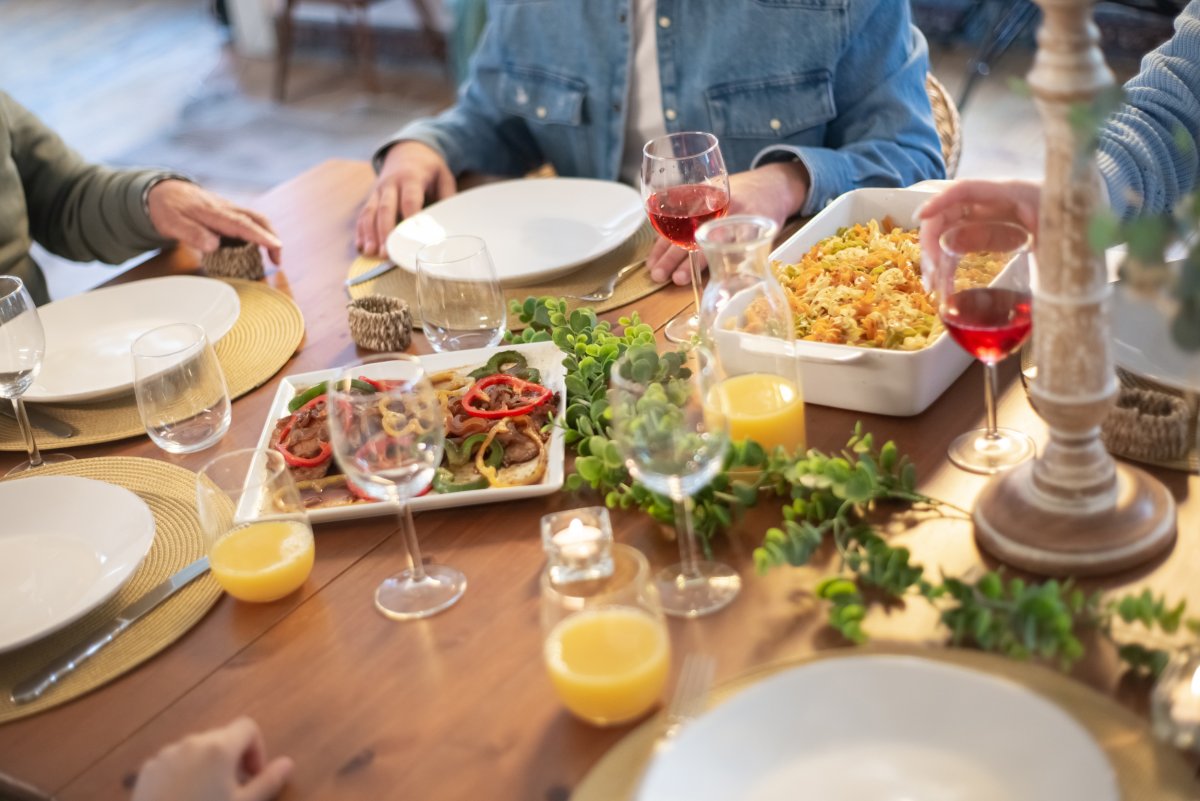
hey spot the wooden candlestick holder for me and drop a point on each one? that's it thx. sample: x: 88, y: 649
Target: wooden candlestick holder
x: 1073, y: 511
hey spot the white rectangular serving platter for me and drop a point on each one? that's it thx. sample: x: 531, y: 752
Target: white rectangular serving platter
x: 545, y: 356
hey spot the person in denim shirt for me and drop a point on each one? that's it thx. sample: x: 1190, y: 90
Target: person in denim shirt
x: 809, y: 99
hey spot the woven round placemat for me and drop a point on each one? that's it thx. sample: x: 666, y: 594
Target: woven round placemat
x: 267, y: 333
x: 1145, y: 769
x: 400, y: 283
x: 1188, y: 463
x: 170, y: 492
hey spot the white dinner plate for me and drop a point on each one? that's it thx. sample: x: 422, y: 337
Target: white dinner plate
x: 1142, y: 341
x: 535, y: 229
x: 882, y: 728
x: 545, y: 356
x: 88, y: 335
x: 66, y: 546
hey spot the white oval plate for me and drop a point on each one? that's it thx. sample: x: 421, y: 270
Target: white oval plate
x: 535, y: 229
x: 67, y: 545
x: 882, y: 728
x: 88, y: 335
x: 1142, y: 342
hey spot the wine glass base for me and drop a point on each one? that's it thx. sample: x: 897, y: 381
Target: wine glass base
x: 403, y: 597
x: 47, y: 458
x: 711, y: 588
x: 976, y: 452
x: 682, y: 328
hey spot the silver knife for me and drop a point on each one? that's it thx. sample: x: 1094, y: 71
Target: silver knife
x: 55, y: 671
x: 373, y: 273
x: 44, y: 421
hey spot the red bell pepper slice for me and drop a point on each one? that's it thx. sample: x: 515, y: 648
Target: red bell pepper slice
x: 292, y: 459
x: 532, y: 396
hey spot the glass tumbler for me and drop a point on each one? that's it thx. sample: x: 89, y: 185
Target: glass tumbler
x: 180, y: 389
x: 260, y: 544
x: 459, y: 296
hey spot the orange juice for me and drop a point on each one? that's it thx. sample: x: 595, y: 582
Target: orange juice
x: 263, y: 561
x: 608, y: 665
x: 762, y: 407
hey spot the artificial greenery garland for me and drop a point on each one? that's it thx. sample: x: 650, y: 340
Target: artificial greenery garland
x: 830, y: 500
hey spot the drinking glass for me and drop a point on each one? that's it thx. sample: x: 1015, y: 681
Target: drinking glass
x: 985, y: 303
x: 389, y: 444
x: 180, y: 389
x: 605, y: 642
x: 260, y: 544
x: 459, y: 296
x: 684, y: 185
x: 22, y: 346
x: 675, y: 444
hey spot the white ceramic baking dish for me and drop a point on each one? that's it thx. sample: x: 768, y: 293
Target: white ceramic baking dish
x: 891, y: 382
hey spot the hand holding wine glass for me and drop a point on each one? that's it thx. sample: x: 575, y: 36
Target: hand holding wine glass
x: 985, y: 302
x: 389, y: 443
x: 22, y: 347
x: 675, y: 445
x: 684, y: 185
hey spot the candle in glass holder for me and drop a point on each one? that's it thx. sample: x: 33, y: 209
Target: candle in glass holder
x: 1175, y: 702
x: 578, y: 544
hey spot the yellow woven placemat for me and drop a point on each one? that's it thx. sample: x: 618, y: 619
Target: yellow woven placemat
x: 400, y: 283
x: 267, y: 333
x: 1188, y: 463
x: 170, y: 492
x: 1146, y: 769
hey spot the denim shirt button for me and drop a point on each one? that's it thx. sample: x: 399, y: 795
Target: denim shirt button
x: 670, y: 114
x: 664, y: 22
x: 616, y: 107
x: 541, y: 112
x: 776, y: 125
x: 622, y: 17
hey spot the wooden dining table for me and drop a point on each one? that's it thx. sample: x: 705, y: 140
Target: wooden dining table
x: 458, y: 705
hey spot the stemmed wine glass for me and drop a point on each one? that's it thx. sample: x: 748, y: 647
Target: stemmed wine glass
x: 985, y: 303
x: 22, y: 346
x: 684, y: 185
x: 674, y: 444
x: 389, y: 443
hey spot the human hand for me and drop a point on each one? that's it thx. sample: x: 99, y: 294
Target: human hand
x: 412, y: 172
x: 777, y: 190
x: 190, y: 214
x: 988, y: 201
x: 226, y: 764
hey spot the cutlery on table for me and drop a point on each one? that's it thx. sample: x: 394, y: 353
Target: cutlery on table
x: 372, y: 274
x: 55, y: 671
x: 606, y: 290
x: 46, y: 422
x: 691, y: 693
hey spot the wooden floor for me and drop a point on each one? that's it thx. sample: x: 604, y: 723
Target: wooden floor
x: 134, y: 82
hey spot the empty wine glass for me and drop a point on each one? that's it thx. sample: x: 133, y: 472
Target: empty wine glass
x: 22, y: 346
x: 180, y: 389
x: 985, y: 303
x: 684, y: 185
x: 674, y: 444
x: 459, y: 296
x: 389, y: 443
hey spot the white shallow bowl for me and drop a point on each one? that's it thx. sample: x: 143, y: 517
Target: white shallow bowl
x: 1143, y: 343
x: 882, y: 728
x: 67, y: 545
x: 891, y: 382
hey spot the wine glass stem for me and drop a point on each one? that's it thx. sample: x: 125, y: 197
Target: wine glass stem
x: 35, y: 456
x: 989, y: 398
x: 688, y: 557
x: 694, y: 262
x: 410, y: 540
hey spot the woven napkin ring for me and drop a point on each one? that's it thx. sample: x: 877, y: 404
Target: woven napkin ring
x: 1147, y: 425
x: 235, y: 258
x: 378, y: 322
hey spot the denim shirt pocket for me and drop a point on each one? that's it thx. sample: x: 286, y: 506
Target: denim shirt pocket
x: 772, y: 110
x: 553, y: 108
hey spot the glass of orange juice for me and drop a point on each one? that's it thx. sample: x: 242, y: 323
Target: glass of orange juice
x: 260, y: 544
x: 605, y: 643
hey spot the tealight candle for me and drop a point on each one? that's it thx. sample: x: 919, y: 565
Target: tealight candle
x: 578, y: 544
x: 1175, y: 702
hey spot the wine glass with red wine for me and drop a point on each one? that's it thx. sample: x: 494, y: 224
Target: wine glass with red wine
x: 684, y: 184
x: 986, y: 305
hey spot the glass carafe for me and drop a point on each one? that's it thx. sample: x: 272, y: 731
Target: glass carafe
x: 746, y: 320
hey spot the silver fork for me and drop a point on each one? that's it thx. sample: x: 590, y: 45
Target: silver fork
x: 609, y: 287
x: 691, y: 693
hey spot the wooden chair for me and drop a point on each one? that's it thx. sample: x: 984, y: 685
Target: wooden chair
x: 947, y: 122
x: 362, y: 39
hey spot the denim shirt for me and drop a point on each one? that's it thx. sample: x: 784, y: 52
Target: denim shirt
x: 1148, y: 151
x: 837, y: 84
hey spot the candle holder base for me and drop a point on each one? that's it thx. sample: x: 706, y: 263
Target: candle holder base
x: 1015, y: 530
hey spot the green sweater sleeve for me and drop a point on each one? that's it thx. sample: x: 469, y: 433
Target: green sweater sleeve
x: 77, y: 210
